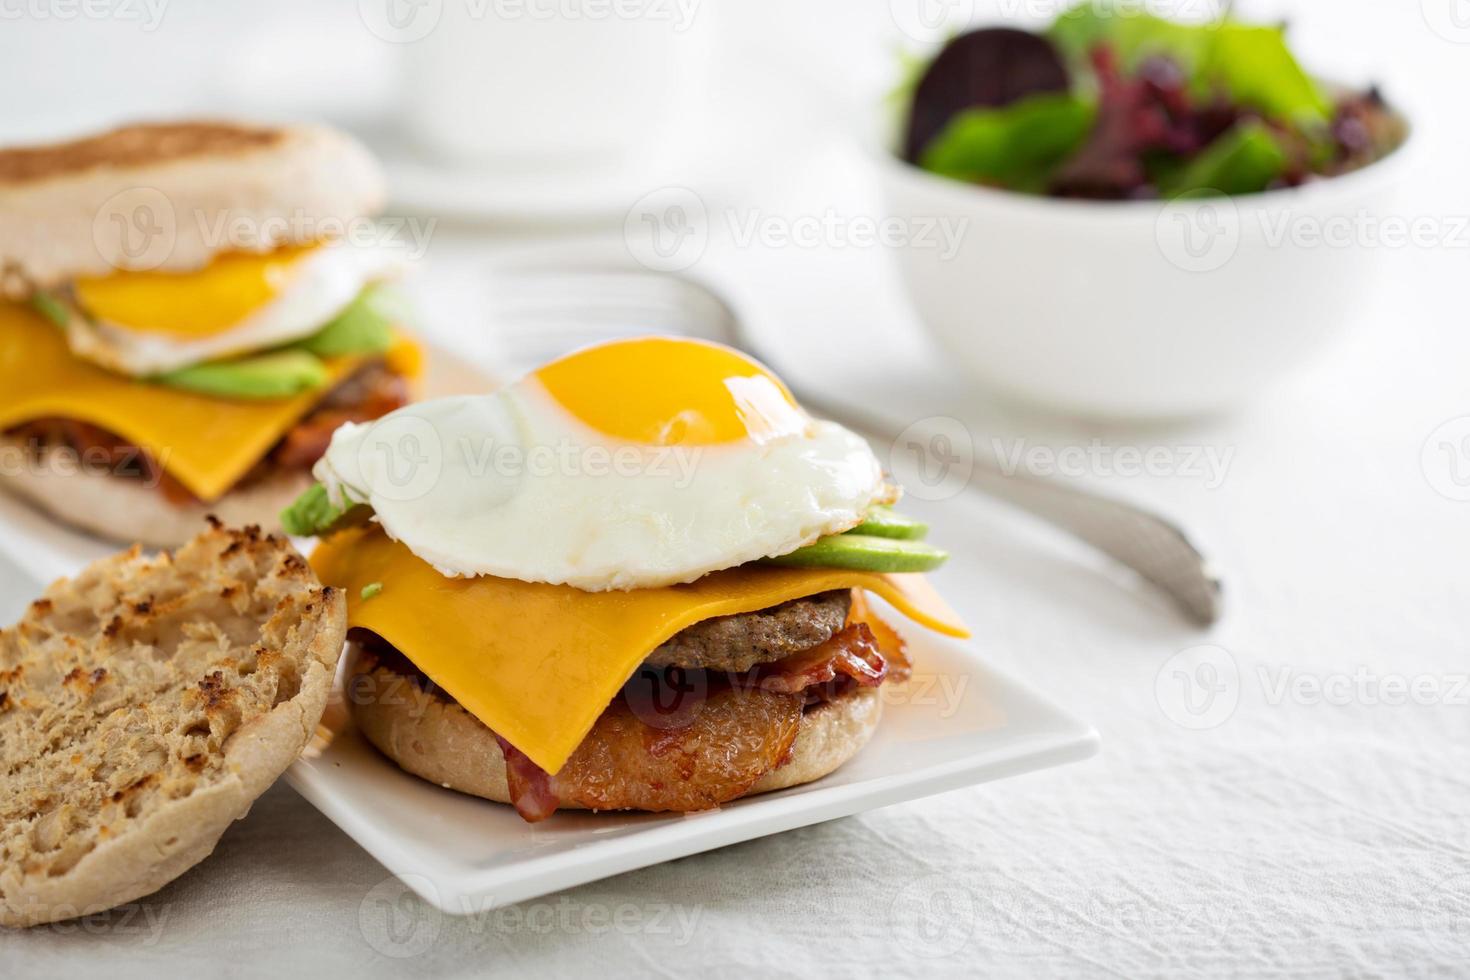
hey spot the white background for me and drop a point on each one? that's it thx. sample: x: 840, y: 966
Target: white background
x: 1297, y: 835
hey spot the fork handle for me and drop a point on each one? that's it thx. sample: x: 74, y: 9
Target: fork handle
x: 1149, y: 544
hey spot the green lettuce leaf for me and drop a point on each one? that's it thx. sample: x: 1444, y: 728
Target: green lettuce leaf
x: 1243, y: 160
x: 1257, y: 69
x: 1015, y: 146
x: 1251, y: 64
x: 1133, y: 36
x: 51, y: 307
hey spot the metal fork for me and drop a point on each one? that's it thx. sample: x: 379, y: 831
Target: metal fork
x: 544, y: 312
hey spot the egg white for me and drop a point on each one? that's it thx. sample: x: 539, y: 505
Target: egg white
x: 322, y: 284
x: 457, y: 481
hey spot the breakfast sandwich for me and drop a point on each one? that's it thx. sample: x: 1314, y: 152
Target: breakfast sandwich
x: 640, y: 578
x: 190, y: 310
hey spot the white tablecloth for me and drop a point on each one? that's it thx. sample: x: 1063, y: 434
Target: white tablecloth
x: 1304, y: 834
x: 1312, y: 820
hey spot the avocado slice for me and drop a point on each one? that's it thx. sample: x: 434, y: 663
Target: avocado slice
x: 279, y: 374
x: 364, y: 327
x: 865, y: 552
x: 314, y: 514
x: 51, y: 307
x: 883, y: 522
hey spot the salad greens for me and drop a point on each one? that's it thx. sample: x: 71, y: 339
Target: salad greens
x: 1243, y: 160
x: 1258, y: 70
x: 1015, y: 145
x: 1147, y: 107
x: 1133, y: 36
x: 1252, y: 64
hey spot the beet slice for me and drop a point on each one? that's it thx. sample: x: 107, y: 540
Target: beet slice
x: 987, y: 68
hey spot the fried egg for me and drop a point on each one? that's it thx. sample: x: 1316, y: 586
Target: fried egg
x: 633, y: 464
x: 143, y: 323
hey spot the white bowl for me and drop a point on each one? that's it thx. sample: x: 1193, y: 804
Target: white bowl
x: 1138, y: 308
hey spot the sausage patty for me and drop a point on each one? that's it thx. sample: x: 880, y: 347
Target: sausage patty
x: 737, y: 643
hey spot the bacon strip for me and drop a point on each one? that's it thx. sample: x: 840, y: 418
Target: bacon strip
x: 852, y: 652
x: 307, y: 441
x: 531, y: 791
x: 894, y: 648
x: 371, y: 394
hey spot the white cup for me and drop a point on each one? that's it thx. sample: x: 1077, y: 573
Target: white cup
x: 564, y: 85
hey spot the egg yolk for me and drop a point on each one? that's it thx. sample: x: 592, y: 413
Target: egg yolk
x: 665, y: 391
x: 194, y: 304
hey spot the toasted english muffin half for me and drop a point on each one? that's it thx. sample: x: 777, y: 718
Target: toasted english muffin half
x: 144, y: 705
x: 170, y: 196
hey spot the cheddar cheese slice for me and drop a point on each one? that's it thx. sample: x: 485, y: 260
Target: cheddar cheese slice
x: 539, y: 663
x: 207, y: 443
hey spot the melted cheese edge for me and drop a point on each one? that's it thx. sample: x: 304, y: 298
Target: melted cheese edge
x: 539, y: 663
x: 207, y: 443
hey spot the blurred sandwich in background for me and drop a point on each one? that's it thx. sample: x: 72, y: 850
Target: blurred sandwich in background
x: 191, y: 308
